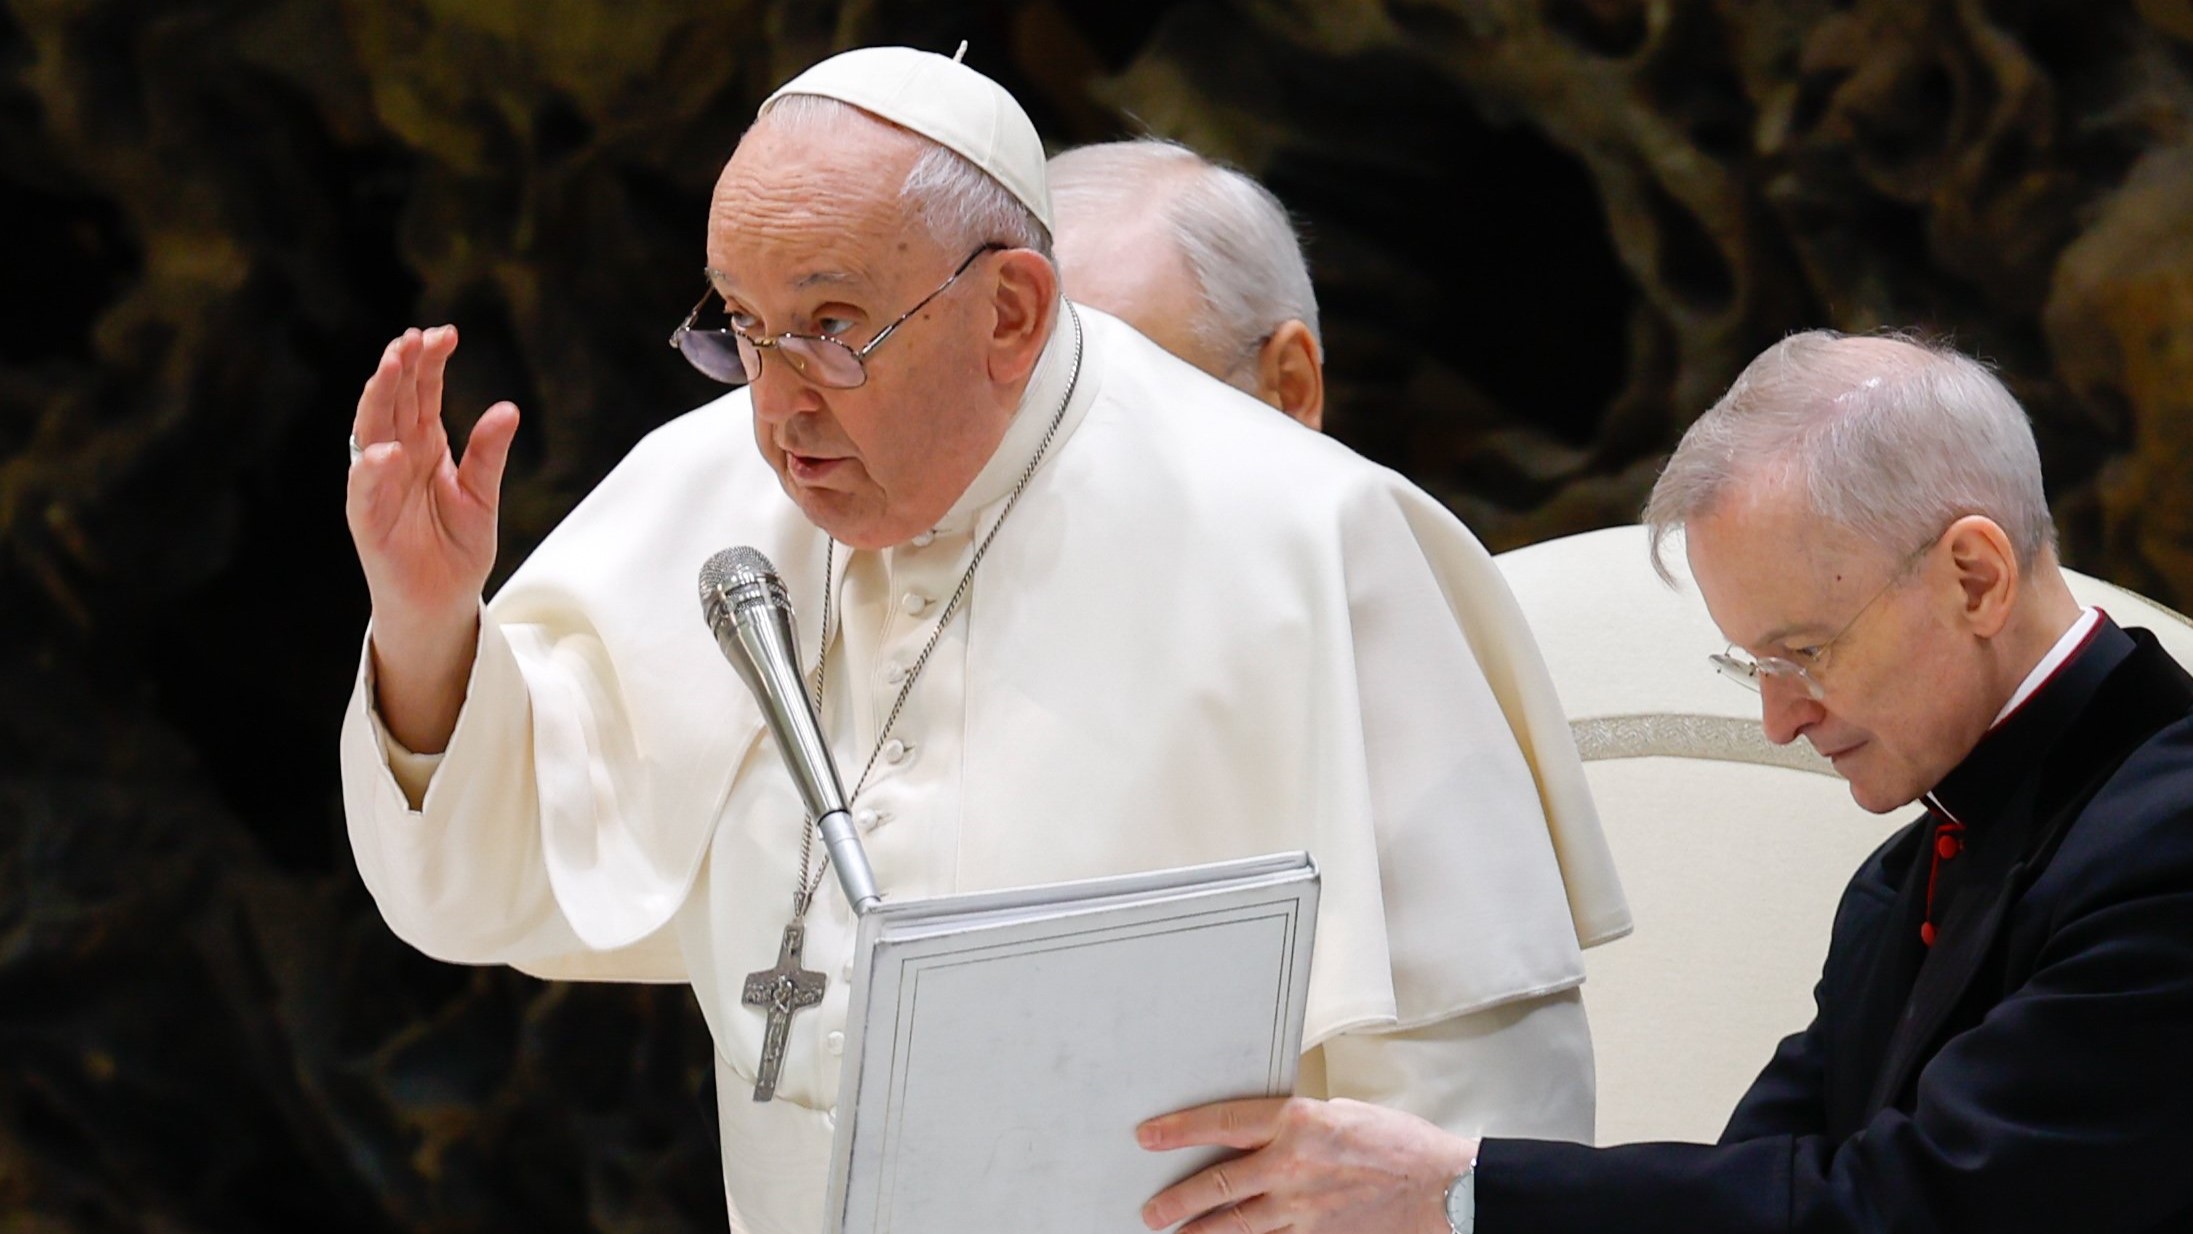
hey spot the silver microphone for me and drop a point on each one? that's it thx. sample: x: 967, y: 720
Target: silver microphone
x: 746, y: 607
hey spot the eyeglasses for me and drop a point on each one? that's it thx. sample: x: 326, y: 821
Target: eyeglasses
x: 733, y: 357
x: 1810, y: 662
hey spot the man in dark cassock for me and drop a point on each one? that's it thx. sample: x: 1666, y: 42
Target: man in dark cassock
x: 2002, y: 1025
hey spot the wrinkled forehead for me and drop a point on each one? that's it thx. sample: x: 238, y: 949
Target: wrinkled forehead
x: 1768, y: 567
x: 820, y: 198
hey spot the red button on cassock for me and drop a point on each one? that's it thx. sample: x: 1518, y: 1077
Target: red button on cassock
x: 1947, y: 846
x: 1926, y: 933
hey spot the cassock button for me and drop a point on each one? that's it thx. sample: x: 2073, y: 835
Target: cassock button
x: 1926, y: 933
x: 866, y: 819
x: 835, y: 1043
x: 830, y: 1116
x: 912, y: 603
x: 894, y: 673
x: 895, y: 751
x: 925, y: 539
x: 1947, y: 846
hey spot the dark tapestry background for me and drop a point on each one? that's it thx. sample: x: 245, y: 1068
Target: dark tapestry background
x: 1546, y: 234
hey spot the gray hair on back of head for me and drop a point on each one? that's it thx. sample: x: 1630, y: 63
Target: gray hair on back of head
x: 1891, y: 438
x: 961, y: 204
x: 1238, y: 240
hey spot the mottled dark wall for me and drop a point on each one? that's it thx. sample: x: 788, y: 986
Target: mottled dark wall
x: 1545, y: 233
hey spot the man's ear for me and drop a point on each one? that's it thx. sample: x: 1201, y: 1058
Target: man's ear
x: 1023, y: 300
x: 1290, y: 375
x: 1986, y: 570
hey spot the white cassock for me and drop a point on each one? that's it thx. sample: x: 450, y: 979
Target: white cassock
x: 1204, y: 633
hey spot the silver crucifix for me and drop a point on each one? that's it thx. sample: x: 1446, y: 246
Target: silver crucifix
x: 785, y: 989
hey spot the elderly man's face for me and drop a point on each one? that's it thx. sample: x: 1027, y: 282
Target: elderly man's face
x: 1905, y: 689
x: 806, y: 233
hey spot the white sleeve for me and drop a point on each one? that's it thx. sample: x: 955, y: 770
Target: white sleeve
x: 1519, y: 1069
x: 450, y: 844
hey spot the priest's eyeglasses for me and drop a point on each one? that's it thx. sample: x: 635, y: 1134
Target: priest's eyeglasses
x: 733, y: 357
x: 1805, y: 665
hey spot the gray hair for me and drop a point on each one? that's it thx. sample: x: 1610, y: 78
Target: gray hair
x: 961, y: 204
x: 1236, y: 236
x: 1892, y: 438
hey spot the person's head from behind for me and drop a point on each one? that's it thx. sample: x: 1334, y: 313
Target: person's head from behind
x: 1865, y: 520
x: 886, y: 298
x: 1200, y: 258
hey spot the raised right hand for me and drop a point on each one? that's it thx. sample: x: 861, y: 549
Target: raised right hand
x: 424, y: 527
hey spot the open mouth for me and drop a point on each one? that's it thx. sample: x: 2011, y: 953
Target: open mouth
x: 810, y: 469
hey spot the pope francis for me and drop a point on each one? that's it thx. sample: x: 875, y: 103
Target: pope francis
x: 1075, y: 609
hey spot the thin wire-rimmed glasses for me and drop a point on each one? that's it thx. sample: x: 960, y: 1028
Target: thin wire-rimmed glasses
x: 734, y: 358
x: 1744, y: 669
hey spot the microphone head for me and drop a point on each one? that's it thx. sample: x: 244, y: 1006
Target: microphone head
x: 738, y: 578
x: 751, y: 617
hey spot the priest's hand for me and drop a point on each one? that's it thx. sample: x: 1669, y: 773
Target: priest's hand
x: 424, y: 527
x: 1311, y: 1167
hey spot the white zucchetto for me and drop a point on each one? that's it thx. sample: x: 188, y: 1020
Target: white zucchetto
x: 944, y: 101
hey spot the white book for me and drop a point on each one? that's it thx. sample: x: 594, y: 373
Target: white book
x: 1002, y: 1046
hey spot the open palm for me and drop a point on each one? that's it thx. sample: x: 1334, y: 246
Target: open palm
x: 424, y: 527
x: 424, y: 524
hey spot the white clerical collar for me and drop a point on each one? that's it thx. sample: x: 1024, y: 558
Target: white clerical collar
x: 2067, y: 645
x: 2071, y: 641
x: 1053, y: 374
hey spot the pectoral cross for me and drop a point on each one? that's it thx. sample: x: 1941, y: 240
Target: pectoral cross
x: 785, y: 989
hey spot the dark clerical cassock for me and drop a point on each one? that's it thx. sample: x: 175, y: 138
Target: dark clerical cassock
x: 2003, y: 1037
